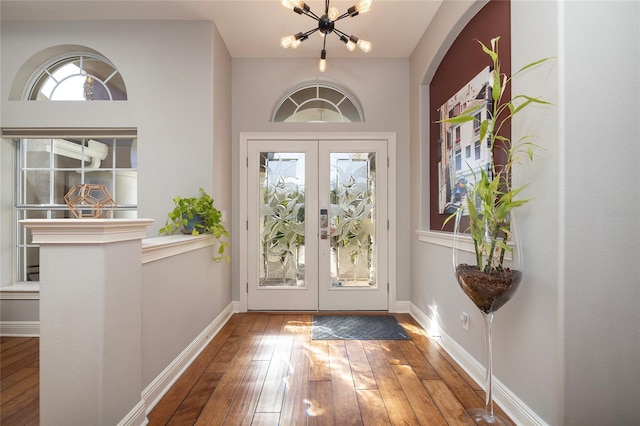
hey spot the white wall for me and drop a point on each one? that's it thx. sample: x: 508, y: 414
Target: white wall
x: 179, y: 300
x: 383, y: 90
x: 602, y: 210
x: 568, y: 343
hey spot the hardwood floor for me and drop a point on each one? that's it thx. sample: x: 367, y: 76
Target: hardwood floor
x: 19, y: 381
x: 264, y: 369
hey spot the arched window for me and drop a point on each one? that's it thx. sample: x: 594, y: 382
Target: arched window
x: 50, y: 161
x: 77, y: 77
x: 318, y: 103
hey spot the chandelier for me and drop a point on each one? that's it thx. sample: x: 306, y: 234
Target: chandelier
x: 326, y: 26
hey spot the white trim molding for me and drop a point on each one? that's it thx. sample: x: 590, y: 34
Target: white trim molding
x: 513, y: 406
x: 20, y: 292
x: 135, y: 417
x: 171, y: 245
x: 86, y: 231
x: 20, y: 328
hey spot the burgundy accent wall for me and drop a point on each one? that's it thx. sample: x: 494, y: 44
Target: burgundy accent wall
x: 463, y: 61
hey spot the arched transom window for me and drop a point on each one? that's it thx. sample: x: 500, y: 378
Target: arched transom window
x: 80, y: 77
x: 318, y: 103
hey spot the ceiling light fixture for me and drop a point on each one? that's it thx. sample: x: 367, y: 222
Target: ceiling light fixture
x: 326, y: 25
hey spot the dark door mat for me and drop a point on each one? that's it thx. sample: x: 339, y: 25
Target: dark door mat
x: 357, y: 327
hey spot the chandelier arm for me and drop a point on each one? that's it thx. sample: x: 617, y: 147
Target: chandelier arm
x: 308, y: 33
x: 344, y: 15
x: 310, y: 14
x: 326, y: 6
x: 340, y: 33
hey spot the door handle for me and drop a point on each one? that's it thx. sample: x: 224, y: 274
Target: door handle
x: 324, y: 224
x: 324, y: 218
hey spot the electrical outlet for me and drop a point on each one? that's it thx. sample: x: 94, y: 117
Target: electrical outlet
x: 464, y: 317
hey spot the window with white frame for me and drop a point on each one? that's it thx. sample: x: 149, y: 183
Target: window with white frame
x: 47, y: 168
x: 50, y: 161
x: 77, y: 77
x: 318, y: 103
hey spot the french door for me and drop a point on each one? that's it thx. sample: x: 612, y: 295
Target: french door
x: 317, y: 227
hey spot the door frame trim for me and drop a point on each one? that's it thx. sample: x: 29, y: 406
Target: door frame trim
x: 245, y: 137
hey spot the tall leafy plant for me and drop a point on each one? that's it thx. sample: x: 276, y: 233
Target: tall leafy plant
x: 492, y: 198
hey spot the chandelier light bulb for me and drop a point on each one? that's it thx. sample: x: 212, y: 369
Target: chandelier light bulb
x: 288, y: 4
x: 333, y: 13
x: 364, y: 45
x: 287, y: 41
x: 363, y: 6
x: 351, y: 46
x: 296, y: 43
x: 322, y: 65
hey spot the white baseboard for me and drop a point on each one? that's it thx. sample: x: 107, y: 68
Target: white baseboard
x: 161, y: 384
x: 236, y: 307
x: 513, y: 406
x: 402, y: 307
x: 136, y: 416
x: 20, y: 328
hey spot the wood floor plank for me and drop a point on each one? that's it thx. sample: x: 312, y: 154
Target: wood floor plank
x: 294, y: 404
x: 416, y: 359
x: 190, y: 408
x: 266, y: 347
x: 372, y: 407
x: 260, y: 323
x: 10, y: 342
x: 227, y: 353
x: 18, y: 362
x: 303, y: 328
x: 215, y: 411
x: 246, y: 398
x: 19, y: 388
x: 398, y: 406
x: 345, y: 400
x: 320, y: 368
x: 27, y: 373
x: 363, y: 377
x: 275, y: 383
x: 393, y: 352
x: 27, y: 414
x: 275, y: 324
x: 423, y: 405
x: 321, y: 407
x: 449, y: 406
x: 10, y: 406
x: 266, y: 419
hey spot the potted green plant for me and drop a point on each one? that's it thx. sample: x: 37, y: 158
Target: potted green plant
x: 491, y: 276
x: 198, y: 215
x: 490, y: 200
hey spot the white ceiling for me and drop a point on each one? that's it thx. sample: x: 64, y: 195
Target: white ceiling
x: 253, y: 28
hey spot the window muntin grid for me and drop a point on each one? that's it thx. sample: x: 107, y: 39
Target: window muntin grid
x: 47, y: 168
x: 318, y: 103
x: 79, y: 77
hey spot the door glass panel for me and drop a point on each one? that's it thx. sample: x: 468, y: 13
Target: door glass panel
x: 282, y: 219
x: 353, y: 219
